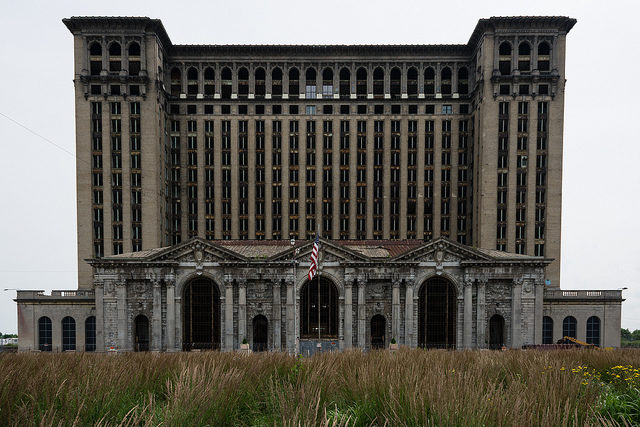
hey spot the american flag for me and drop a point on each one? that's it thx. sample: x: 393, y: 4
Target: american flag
x: 313, y: 268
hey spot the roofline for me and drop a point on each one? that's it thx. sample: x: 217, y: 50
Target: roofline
x: 76, y: 24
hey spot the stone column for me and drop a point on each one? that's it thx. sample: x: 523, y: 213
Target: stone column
x: 516, y: 314
x: 242, y: 310
x: 171, y: 315
x: 409, y: 327
x: 348, y: 315
x: 99, y: 295
x: 468, y: 314
x: 539, y: 312
x: 481, y: 314
x: 156, y: 317
x: 121, y: 298
x: 291, y: 324
x: 228, y: 315
x: 277, y: 317
x: 362, y: 315
x: 395, y: 311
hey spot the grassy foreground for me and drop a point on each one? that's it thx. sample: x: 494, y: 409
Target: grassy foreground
x: 409, y: 387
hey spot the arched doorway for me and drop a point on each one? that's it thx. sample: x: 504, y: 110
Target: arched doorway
x: 201, y: 321
x: 141, y: 338
x: 319, y: 309
x: 260, y: 333
x: 378, y: 325
x: 437, y: 314
x: 496, y: 332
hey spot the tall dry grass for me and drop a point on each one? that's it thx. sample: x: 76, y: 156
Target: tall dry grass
x: 409, y: 387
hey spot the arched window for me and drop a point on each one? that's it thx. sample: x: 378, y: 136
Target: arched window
x: 176, y: 82
x: 361, y: 82
x: 524, y: 56
x: 68, y: 333
x: 569, y: 327
x: 547, y: 330
x: 345, y: 83
x: 90, y: 334
x: 95, y: 58
x: 192, y: 81
x: 504, y: 58
x: 463, y: 81
x: 327, y: 83
x: 445, y: 81
x: 276, y: 82
x: 134, y: 58
x: 115, y: 53
x: 412, y: 82
x: 437, y: 314
x: 378, y: 83
x: 319, y: 309
x: 294, y: 83
x: 429, y: 81
x: 593, y: 330
x: 544, y: 57
x: 310, y: 83
x: 260, y: 82
x: 226, y: 77
x: 396, y: 84
x: 209, y: 81
x: 141, y: 337
x: 44, y: 334
x: 201, y: 319
x: 243, y: 82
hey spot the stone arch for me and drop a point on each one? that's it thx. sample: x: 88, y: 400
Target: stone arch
x: 437, y: 313
x: 329, y: 313
x: 424, y: 277
x: 215, y: 277
x: 201, y: 313
x: 337, y: 281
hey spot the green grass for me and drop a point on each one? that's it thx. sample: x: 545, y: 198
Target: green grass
x: 408, y: 387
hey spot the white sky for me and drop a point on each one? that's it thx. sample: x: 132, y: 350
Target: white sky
x: 600, y: 240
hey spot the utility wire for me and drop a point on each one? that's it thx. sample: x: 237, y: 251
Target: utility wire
x: 42, y: 137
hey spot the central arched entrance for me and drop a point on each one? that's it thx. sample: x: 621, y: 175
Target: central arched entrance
x: 437, y: 314
x: 496, y: 332
x: 378, y: 324
x: 319, y: 310
x: 141, y: 338
x: 260, y: 333
x: 201, y: 321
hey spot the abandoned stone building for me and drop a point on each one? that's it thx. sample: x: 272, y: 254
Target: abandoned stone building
x: 432, y: 174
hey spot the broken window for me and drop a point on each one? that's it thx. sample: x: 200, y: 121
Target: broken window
x: 243, y: 82
x: 395, y: 84
x: 544, y: 57
x: 412, y: 82
x: 176, y: 82
x: 524, y: 57
x: 310, y: 83
x: 361, y: 82
x: 260, y: 82
x: 429, y: 81
x: 115, y: 53
x: 463, y: 81
x: 134, y: 58
x: 192, y: 81
x: 276, y: 82
x: 95, y: 58
x: 327, y: 83
x: 209, y: 81
x: 437, y: 301
x: 504, y: 58
x: 227, y: 77
x: 345, y: 83
x: 445, y: 81
x: 294, y: 83
x: 201, y: 315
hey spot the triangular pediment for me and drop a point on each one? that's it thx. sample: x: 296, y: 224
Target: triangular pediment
x: 197, y: 250
x: 329, y: 252
x: 443, y: 250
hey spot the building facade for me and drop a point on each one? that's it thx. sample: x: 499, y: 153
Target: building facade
x: 452, y: 149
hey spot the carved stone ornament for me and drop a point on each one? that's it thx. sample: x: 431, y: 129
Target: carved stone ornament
x: 528, y: 287
x: 439, y: 257
x: 198, y: 256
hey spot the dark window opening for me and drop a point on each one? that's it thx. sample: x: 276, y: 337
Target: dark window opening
x: 463, y: 81
x: 593, y: 330
x: 569, y: 327
x: 361, y: 83
x: 378, y: 326
x: 547, y: 330
x: 226, y: 82
x: 201, y: 328
x: 260, y: 82
x: 294, y: 83
x: 395, y: 84
x: 437, y: 314
x: 141, y: 337
x: 319, y: 309
x: 412, y: 82
x: 445, y: 81
x: 429, y: 81
x: 45, y: 338
x: 496, y: 332
x: 504, y: 61
x: 260, y: 333
x: 68, y: 334
x: 90, y: 334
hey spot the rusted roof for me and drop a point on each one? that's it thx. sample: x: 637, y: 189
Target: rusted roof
x: 140, y: 254
x: 504, y: 255
x: 380, y: 248
x: 258, y: 248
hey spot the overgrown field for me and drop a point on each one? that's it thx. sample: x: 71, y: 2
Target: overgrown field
x: 409, y: 387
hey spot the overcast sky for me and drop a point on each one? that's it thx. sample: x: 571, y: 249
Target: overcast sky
x: 600, y: 237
